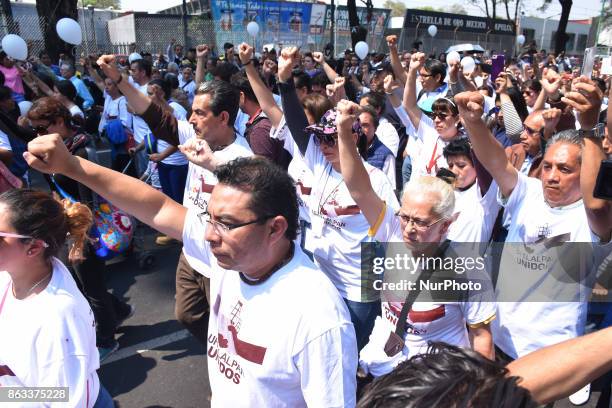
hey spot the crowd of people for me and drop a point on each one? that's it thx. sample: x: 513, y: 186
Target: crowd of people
x: 276, y: 171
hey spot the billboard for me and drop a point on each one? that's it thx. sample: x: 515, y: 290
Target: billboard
x: 280, y: 22
x: 376, y: 27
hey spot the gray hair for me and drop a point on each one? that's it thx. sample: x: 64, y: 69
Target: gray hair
x: 173, y: 66
x: 68, y: 66
x: 569, y: 136
x: 445, y: 204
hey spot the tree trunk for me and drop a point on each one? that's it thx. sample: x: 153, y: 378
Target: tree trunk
x: 561, y: 37
x: 12, y: 26
x: 49, y: 12
x: 358, y: 33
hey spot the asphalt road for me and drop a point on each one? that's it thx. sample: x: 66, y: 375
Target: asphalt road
x: 159, y: 364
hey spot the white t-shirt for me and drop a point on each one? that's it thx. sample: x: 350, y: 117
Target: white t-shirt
x: 387, y: 134
x: 140, y: 126
x: 201, y: 181
x: 477, y: 214
x: 287, y: 342
x: 532, y: 273
x: 426, y: 321
x: 117, y: 108
x: 4, y: 141
x: 428, y: 156
x: 338, y: 226
x: 177, y: 158
x: 297, y: 169
x: 49, y: 340
x: 189, y: 89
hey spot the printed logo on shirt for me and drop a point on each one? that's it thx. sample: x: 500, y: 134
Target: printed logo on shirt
x: 6, y: 371
x: 199, y: 191
x: 393, y: 310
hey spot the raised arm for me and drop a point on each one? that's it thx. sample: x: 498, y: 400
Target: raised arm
x: 396, y: 63
x: 557, y: 371
x: 329, y: 71
x: 512, y: 120
x: 202, y: 57
x: 391, y: 86
x: 353, y: 171
x: 48, y: 154
x: 488, y: 150
x: 586, y: 100
x: 93, y: 73
x: 262, y: 92
x: 292, y: 107
x: 410, y: 94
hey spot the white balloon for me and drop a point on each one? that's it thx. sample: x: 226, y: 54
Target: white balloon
x: 69, y: 31
x: 24, y: 107
x: 361, y: 49
x: 453, y: 56
x: 520, y: 39
x: 15, y: 47
x: 468, y: 64
x: 253, y: 28
x: 432, y: 30
x: 134, y: 57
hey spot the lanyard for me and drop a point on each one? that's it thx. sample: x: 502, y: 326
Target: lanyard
x: 4, y: 297
x: 434, y: 158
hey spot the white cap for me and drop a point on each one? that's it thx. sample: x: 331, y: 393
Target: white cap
x: 134, y: 57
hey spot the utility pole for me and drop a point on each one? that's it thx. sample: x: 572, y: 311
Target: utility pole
x: 332, y: 23
x: 185, y: 25
x: 601, y: 14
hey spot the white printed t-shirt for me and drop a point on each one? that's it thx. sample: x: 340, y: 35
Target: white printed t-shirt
x: 338, y: 225
x: 49, y: 340
x: 287, y: 342
x: 530, y: 273
x: 426, y: 321
x: 141, y: 129
x: 477, y: 214
x: 200, y: 181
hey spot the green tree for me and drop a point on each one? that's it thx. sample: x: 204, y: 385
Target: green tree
x: 457, y: 9
x: 398, y: 8
x: 116, y: 4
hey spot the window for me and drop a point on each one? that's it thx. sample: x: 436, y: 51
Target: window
x: 529, y: 34
x: 582, y: 42
x: 571, y: 39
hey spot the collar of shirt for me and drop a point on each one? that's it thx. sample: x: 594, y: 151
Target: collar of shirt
x: 252, y: 118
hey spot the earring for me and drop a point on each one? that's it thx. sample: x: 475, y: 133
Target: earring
x: 29, y: 252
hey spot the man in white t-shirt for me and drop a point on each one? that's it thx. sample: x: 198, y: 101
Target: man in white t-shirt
x: 539, y: 303
x: 140, y: 71
x: 213, y: 115
x: 279, y: 332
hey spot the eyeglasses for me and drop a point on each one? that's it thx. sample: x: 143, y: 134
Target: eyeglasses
x: 329, y: 140
x: 425, y: 75
x: 419, y: 224
x: 41, y: 130
x: 531, y: 131
x: 528, y: 92
x: 222, y: 228
x: 11, y: 235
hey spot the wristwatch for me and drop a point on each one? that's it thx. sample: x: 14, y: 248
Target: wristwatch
x: 598, y: 132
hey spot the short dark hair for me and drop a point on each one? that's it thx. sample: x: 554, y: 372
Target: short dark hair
x: 320, y: 79
x: 241, y: 82
x: 301, y: 80
x: 458, y: 147
x: 143, y: 65
x: 172, y: 80
x: 375, y: 100
x: 223, y: 97
x: 372, y: 112
x: 447, y: 376
x: 227, y: 46
x: 532, y: 84
x: 436, y: 67
x: 164, y: 85
x: 224, y: 70
x: 272, y: 189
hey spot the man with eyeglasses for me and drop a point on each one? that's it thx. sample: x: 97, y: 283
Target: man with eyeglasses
x: 214, y: 112
x: 279, y: 332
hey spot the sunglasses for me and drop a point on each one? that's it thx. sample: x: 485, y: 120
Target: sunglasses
x: 41, y: 130
x: 528, y: 92
x: 329, y: 140
x: 440, y: 115
x: 11, y: 235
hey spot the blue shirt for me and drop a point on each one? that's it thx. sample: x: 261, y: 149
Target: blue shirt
x: 83, y: 92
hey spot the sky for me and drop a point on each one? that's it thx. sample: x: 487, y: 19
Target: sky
x: 581, y: 9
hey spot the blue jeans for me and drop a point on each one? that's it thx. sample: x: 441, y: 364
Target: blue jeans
x: 172, y: 179
x: 406, y: 169
x: 142, y: 162
x: 104, y: 399
x: 363, y: 315
x: 601, y: 310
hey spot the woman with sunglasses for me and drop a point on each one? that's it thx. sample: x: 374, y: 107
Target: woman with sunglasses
x: 421, y: 223
x: 431, y: 134
x: 531, y: 91
x: 48, y: 337
x: 48, y: 115
x: 338, y: 225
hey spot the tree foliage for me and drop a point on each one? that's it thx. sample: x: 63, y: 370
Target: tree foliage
x: 398, y: 8
x: 116, y: 4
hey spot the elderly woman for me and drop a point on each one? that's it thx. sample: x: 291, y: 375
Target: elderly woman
x: 422, y: 222
x: 48, y: 328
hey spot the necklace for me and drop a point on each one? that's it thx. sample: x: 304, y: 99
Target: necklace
x: 323, y: 199
x: 33, y: 286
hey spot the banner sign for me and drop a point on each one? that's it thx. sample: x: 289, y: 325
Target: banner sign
x: 376, y: 26
x: 450, y: 22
